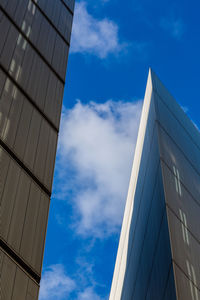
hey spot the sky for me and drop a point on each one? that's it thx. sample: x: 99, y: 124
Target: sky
x: 113, y: 45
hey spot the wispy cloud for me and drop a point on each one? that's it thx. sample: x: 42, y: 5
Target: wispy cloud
x: 89, y: 294
x: 93, y: 36
x: 174, y: 26
x: 97, y: 144
x: 55, y: 284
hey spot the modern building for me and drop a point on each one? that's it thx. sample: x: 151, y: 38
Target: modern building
x: 159, y: 250
x: 34, y: 45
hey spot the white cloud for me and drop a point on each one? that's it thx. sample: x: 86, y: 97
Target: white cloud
x: 97, y: 144
x: 174, y: 26
x: 94, y: 36
x: 89, y: 294
x: 55, y: 284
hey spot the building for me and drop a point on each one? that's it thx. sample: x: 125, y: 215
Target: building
x: 34, y: 45
x: 159, y: 250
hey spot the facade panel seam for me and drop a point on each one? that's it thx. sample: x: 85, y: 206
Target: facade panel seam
x: 29, y: 98
x: 24, y: 167
x: 32, y: 45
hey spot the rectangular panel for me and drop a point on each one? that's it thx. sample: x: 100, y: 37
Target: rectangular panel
x: 7, y: 277
x: 36, y: 25
x: 20, y: 11
x: 5, y: 104
x: 32, y: 141
x: 4, y: 29
x: 28, y: 235
x: 185, y: 249
x: 19, y: 211
x: 2, y: 83
x: 11, y: 7
x: 50, y: 161
x: 183, y: 204
x: 178, y: 163
x: 41, y: 154
x: 185, y: 288
x: 182, y: 137
x: 20, y: 285
x: 40, y: 232
x: 4, y: 165
x: 23, y: 129
x: 176, y: 109
x: 9, y: 46
x: 70, y: 4
x: 13, y: 116
x: 16, y: 284
x: 32, y: 292
x: 8, y: 196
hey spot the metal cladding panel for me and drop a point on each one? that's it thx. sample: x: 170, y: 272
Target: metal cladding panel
x: 183, y: 204
x: 181, y: 136
x: 30, y: 222
x: 9, y: 46
x: 70, y: 3
x: 32, y: 139
x: 7, y: 277
x: 41, y: 154
x: 34, y: 47
x: 144, y: 254
x: 15, y: 283
x: 185, y: 249
x: 23, y: 129
x: 9, y: 194
x: 4, y: 29
x: 184, y: 287
x: 40, y: 232
x: 24, y: 209
x: 161, y: 262
x: 185, y: 172
x: 20, y: 287
x: 50, y: 159
x: 19, y: 211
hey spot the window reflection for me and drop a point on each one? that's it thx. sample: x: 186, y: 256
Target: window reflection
x: 184, y: 227
x: 193, y: 289
x: 185, y: 235
x: 177, y: 180
x: 9, y: 92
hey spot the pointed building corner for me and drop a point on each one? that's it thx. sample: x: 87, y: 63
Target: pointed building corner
x: 158, y: 255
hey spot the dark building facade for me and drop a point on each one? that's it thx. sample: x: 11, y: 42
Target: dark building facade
x: 34, y: 45
x: 159, y: 250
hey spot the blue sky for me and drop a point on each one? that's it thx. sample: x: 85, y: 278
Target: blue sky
x: 113, y: 45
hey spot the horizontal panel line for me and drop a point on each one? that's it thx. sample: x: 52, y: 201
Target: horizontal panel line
x: 50, y: 22
x: 179, y: 267
x: 177, y: 146
x: 183, y: 184
x: 19, y: 261
x: 181, y: 124
x: 28, y: 98
x: 32, y: 45
x: 67, y: 7
x: 188, y: 229
x: 24, y: 167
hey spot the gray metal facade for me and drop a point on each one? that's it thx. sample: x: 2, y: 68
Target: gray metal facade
x: 34, y: 45
x: 159, y: 250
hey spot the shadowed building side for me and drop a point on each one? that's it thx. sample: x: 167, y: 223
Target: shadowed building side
x: 159, y: 251
x: 34, y: 46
